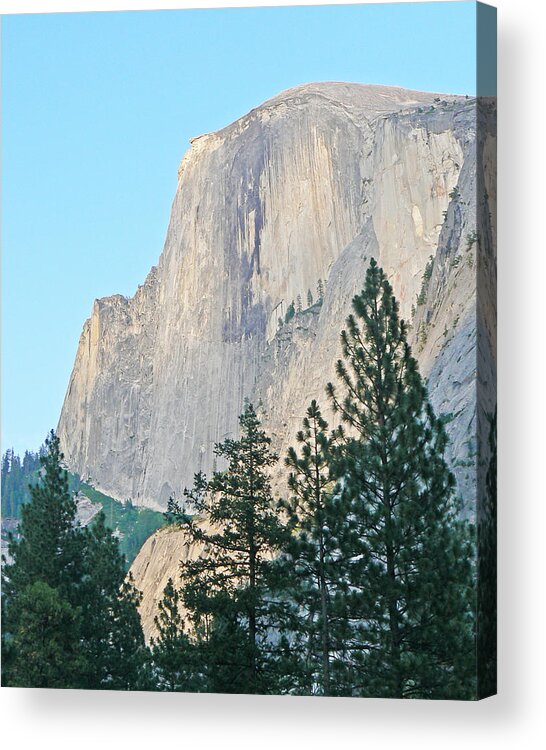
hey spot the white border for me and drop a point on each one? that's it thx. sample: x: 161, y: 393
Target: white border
x: 515, y: 718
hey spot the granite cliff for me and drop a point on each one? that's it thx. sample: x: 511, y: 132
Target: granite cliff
x: 307, y: 187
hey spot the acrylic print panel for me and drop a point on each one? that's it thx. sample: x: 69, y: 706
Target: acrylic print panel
x: 273, y: 462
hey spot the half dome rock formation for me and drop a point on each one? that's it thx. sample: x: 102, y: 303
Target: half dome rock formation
x: 292, y: 198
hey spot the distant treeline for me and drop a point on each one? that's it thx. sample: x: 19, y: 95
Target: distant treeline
x: 132, y: 524
x: 16, y: 476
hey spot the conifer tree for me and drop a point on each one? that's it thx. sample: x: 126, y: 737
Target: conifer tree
x: 175, y: 514
x: 311, y: 561
x: 409, y: 571
x: 66, y: 602
x: 45, y: 644
x: 320, y: 290
x: 111, y: 633
x: 8, y: 510
x: 291, y: 311
x: 45, y: 568
x: 487, y: 574
x: 50, y: 546
x: 309, y: 298
x: 16, y: 477
x: 130, y: 660
x: 228, y: 587
x: 223, y: 648
x: 173, y: 654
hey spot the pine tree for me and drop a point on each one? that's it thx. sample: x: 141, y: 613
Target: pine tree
x: 487, y: 575
x: 50, y: 546
x: 291, y: 311
x: 309, y: 298
x: 311, y: 560
x: 175, y: 514
x: 130, y: 659
x: 409, y: 576
x: 44, y: 647
x: 228, y: 587
x: 7, y: 505
x: 45, y: 568
x: 320, y: 290
x: 111, y: 633
x: 70, y: 618
x: 174, y: 655
x: 298, y: 303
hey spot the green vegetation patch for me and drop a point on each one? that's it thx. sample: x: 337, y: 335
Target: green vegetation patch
x: 132, y: 525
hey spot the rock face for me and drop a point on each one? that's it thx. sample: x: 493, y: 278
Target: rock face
x: 158, y: 560
x: 86, y: 509
x: 307, y: 187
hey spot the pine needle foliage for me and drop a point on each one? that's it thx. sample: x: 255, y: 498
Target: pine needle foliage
x: 229, y: 586
x: 487, y: 574
x: 173, y: 653
x: 409, y: 554
x: 312, y: 561
x: 69, y: 614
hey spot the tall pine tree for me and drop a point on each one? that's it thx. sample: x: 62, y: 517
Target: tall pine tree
x: 409, y: 570
x: 111, y: 633
x: 44, y: 647
x: 226, y: 591
x: 50, y: 545
x: 40, y: 584
x: 311, y: 565
x: 70, y: 616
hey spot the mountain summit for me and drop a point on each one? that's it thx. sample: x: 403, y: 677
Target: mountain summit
x: 273, y: 224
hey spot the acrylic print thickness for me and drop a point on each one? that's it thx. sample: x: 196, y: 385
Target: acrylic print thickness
x: 273, y: 468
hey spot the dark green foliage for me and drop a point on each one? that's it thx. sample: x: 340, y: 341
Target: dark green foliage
x: 310, y: 567
x: 111, y: 633
x: 69, y: 616
x: 227, y: 589
x: 175, y: 657
x: 133, y: 524
x: 175, y: 514
x: 50, y: 548
x: 487, y: 575
x: 102, y: 578
x: 309, y: 298
x: 45, y: 644
x: 427, y: 274
x: 46, y: 563
x: 224, y: 651
x: 290, y: 312
x: 129, y: 665
x: 408, y: 555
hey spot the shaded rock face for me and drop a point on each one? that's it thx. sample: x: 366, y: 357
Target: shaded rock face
x: 307, y: 187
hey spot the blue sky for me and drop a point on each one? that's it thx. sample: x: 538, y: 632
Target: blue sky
x: 98, y: 109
